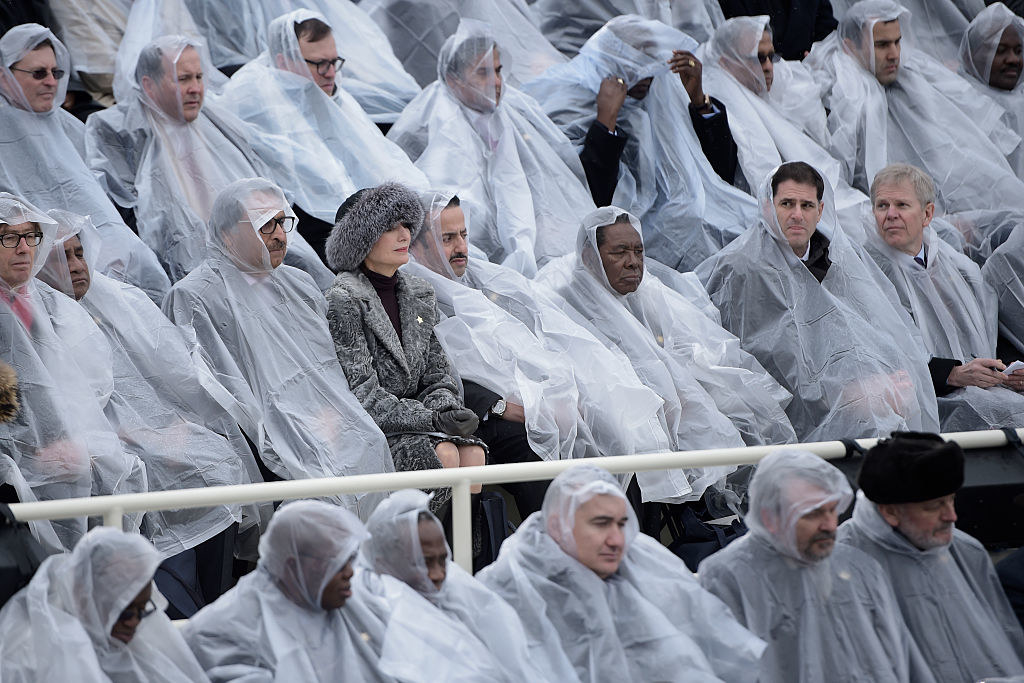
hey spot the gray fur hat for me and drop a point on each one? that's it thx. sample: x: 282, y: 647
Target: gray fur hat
x: 364, y: 217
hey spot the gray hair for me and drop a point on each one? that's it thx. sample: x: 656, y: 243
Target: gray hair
x: 894, y: 174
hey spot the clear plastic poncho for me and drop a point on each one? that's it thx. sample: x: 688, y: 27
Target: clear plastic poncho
x: 929, y: 117
x: 581, y: 399
x: 831, y: 620
x: 493, y: 630
x: 956, y: 313
x: 844, y: 347
x: 58, y: 627
x: 165, y: 405
x: 92, y: 30
x: 321, y: 148
x: 264, y: 332
x: 150, y: 157
x: 1003, y: 271
x: 570, y: 24
x: 716, y: 394
x: 664, y: 178
x: 61, y: 440
x: 949, y: 597
x: 418, y: 29
x: 649, y: 621
x: 372, y: 74
x: 765, y: 137
x: 515, y: 171
x: 940, y: 24
x: 272, y: 627
x: 42, y: 529
x: 977, y: 50
x: 42, y: 159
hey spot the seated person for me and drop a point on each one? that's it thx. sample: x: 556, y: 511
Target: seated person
x: 950, y: 302
x: 889, y: 103
x: 826, y: 611
x: 92, y: 34
x: 42, y: 156
x: 943, y: 580
x: 294, y: 92
x: 564, y: 394
x: 515, y: 170
x: 797, y: 25
x: 991, y: 60
x: 382, y: 321
x: 669, y: 146
x: 61, y: 440
x: 407, y: 542
x: 261, y: 327
x: 821, y: 317
x: 622, y: 606
x: 308, y: 614
x: 160, y: 405
x: 94, y: 615
x: 166, y: 153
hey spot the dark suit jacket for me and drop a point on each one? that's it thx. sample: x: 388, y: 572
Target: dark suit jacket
x: 797, y: 24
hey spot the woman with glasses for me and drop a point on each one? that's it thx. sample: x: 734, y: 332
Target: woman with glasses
x: 94, y: 615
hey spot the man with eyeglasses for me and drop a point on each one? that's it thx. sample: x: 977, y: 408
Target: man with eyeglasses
x: 165, y: 152
x: 308, y: 127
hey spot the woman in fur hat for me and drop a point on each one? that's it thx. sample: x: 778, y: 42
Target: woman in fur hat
x: 382, y: 321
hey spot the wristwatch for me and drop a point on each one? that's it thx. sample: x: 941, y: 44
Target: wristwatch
x: 498, y: 409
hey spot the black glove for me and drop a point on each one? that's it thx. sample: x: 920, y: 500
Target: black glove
x: 456, y: 421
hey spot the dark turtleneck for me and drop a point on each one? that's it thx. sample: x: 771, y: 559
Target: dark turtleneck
x: 386, y: 288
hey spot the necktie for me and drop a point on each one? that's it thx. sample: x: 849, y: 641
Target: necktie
x: 22, y: 309
x: 920, y: 261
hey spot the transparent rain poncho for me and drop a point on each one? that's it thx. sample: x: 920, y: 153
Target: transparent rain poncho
x: 152, y: 158
x: 237, y: 33
x: 664, y: 178
x: 92, y: 30
x: 940, y: 24
x: 42, y: 529
x: 165, y: 405
x: 58, y: 627
x: 764, y: 135
x: 418, y: 29
x: 515, y: 171
x: 929, y: 117
x: 42, y: 159
x: 569, y: 24
x: 507, y: 332
x: 61, y: 440
x: 977, y: 50
x: 649, y: 621
x: 1003, y: 271
x: 949, y: 597
x: 321, y: 148
x: 844, y: 347
x: 272, y: 626
x: 493, y: 630
x: 956, y: 313
x: 264, y: 332
x: 716, y: 394
x: 831, y: 620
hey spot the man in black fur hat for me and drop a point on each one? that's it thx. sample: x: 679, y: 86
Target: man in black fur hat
x: 943, y: 579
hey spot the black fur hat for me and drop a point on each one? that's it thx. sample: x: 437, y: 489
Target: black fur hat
x: 364, y: 217
x: 9, y: 402
x: 911, y: 467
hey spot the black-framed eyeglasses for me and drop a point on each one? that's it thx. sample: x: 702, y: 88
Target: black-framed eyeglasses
x: 40, y: 74
x: 768, y: 57
x: 11, y: 239
x: 324, y: 65
x: 137, y: 612
x: 286, y: 223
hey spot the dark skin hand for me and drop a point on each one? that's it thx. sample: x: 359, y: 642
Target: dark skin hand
x: 610, y: 97
x: 691, y: 74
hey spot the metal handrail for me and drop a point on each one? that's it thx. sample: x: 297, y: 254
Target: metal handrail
x: 112, y: 508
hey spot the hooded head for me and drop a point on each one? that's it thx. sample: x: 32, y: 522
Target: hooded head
x: 442, y: 241
x: 990, y: 51
x: 169, y: 74
x: 21, y: 261
x: 302, y: 42
x: 611, y: 246
x: 36, y: 68
x: 365, y: 217
x: 250, y: 222
x: 75, y: 246
x: 469, y: 65
x: 743, y: 47
x: 872, y: 32
x: 407, y: 542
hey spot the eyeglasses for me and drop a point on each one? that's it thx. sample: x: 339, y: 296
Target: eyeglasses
x: 286, y: 223
x: 324, y: 65
x: 768, y: 57
x: 139, y: 613
x: 40, y: 74
x: 11, y: 239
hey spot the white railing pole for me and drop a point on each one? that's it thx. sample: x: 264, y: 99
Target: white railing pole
x: 462, y: 525
x: 114, y: 516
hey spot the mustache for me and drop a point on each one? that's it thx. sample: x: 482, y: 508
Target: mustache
x: 275, y: 244
x: 823, y: 536
x: 458, y: 254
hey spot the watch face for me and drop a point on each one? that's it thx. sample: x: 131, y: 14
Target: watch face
x: 499, y: 407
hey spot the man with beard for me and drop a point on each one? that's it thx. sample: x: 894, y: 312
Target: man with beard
x: 944, y: 582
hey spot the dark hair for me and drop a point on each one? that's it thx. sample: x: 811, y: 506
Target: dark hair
x: 467, y: 54
x: 312, y: 30
x: 799, y: 172
x: 454, y: 201
x: 348, y: 204
x: 622, y: 218
x: 150, y: 63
